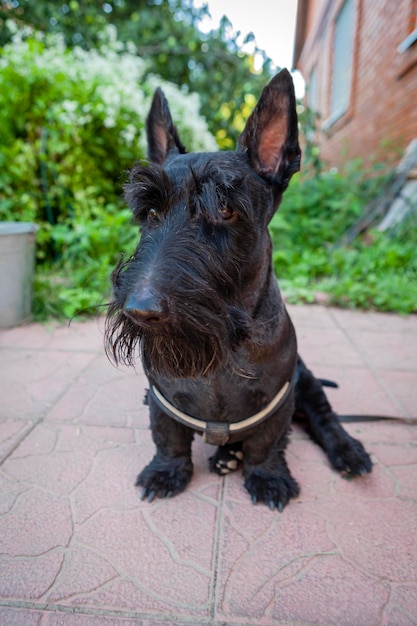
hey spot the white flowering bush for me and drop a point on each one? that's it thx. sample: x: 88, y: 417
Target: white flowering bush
x: 80, y: 114
x: 71, y: 123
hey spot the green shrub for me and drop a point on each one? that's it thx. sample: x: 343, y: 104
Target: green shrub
x: 377, y: 271
x: 71, y: 123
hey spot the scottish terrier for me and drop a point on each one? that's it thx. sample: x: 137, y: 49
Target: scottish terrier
x: 199, y: 301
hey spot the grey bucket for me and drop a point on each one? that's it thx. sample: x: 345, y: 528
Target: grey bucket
x: 17, y: 259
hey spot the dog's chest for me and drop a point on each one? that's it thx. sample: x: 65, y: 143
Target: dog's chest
x: 234, y: 393
x: 225, y: 397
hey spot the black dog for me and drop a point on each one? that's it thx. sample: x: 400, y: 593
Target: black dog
x: 200, y: 298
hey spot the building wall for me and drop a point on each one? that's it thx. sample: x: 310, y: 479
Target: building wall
x: 381, y: 118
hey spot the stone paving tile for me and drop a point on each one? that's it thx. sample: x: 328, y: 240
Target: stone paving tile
x: 360, y: 392
x: 388, y: 350
x: 373, y: 322
x: 313, y: 316
x: 334, y: 591
x: 38, y: 337
x: 403, y: 606
x: 79, y: 619
x: 65, y: 619
x: 79, y: 336
x: 105, y: 395
x: 336, y: 555
x: 38, y: 523
x: 381, y: 541
x: 10, y: 491
x: 403, y: 385
x: 327, y: 346
x: 79, y: 548
x: 11, y: 433
x: 19, y: 617
x: 86, y: 336
x: 103, y: 546
x: 30, y: 617
x: 31, y: 381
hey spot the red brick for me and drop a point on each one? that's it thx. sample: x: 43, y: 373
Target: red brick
x: 382, y: 114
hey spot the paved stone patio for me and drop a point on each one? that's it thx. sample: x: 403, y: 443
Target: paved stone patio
x: 79, y: 548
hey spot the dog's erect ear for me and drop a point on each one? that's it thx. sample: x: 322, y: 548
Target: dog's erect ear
x: 161, y: 132
x: 270, y: 137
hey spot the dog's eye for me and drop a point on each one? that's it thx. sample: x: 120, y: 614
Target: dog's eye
x: 227, y: 214
x: 153, y: 215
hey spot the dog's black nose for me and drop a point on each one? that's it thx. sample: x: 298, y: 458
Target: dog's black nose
x: 146, y: 308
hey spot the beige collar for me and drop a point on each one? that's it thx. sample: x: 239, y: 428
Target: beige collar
x: 218, y: 433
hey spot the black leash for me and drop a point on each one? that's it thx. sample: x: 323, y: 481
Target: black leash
x: 375, y: 418
x: 365, y: 418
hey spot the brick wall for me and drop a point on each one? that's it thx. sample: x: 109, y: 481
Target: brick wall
x: 382, y: 115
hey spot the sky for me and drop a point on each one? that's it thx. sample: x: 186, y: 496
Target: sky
x: 271, y: 21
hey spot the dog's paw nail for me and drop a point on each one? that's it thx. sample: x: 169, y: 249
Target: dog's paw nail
x: 280, y: 506
x: 238, y: 454
x: 151, y: 495
x: 363, y: 471
x: 143, y: 493
x: 232, y: 464
x: 271, y: 505
x: 254, y: 499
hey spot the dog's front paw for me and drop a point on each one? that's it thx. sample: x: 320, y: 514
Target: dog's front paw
x: 164, y: 477
x: 273, y: 490
x: 348, y: 455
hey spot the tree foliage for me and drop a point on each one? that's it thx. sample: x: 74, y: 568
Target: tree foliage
x: 166, y: 35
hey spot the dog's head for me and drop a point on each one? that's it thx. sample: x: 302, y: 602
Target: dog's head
x: 192, y: 289
x: 269, y: 140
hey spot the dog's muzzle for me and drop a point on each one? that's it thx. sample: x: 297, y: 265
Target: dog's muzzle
x: 219, y: 433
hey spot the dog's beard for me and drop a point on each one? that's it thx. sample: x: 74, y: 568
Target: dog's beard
x: 195, y: 346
